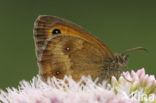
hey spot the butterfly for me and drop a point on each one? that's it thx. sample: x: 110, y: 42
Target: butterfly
x: 64, y: 48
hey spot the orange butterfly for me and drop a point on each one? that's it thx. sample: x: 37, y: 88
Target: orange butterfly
x: 64, y: 48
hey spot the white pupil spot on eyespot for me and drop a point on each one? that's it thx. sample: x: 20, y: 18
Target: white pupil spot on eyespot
x: 67, y: 49
x: 57, y: 73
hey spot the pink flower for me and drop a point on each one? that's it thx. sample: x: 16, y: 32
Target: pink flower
x: 141, y: 79
x: 130, y: 88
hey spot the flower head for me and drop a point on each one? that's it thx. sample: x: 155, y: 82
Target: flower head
x: 68, y: 91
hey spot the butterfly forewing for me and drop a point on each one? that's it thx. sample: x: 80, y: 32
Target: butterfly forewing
x: 45, y: 25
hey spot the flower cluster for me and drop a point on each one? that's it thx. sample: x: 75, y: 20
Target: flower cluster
x: 131, y: 87
x: 141, y: 87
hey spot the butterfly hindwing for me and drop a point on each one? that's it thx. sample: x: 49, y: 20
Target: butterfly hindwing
x: 70, y: 55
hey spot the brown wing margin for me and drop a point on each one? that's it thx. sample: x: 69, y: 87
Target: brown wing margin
x: 40, y: 31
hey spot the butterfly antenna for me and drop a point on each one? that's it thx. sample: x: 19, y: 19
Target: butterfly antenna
x: 135, y: 49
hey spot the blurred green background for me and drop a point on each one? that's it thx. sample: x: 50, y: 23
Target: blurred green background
x: 120, y: 25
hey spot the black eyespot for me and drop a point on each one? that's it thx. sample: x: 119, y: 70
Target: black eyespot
x: 56, y: 31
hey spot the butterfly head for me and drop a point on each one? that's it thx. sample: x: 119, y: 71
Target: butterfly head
x: 122, y: 59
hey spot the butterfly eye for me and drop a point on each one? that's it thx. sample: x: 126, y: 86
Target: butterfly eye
x: 106, y: 69
x: 56, y: 31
